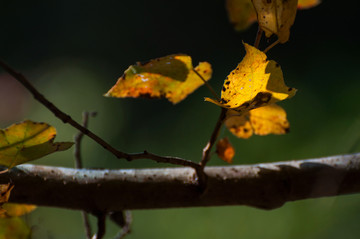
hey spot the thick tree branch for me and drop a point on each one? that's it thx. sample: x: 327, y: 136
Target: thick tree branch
x: 266, y: 186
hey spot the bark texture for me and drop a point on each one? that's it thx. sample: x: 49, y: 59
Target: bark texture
x: 265, y: 186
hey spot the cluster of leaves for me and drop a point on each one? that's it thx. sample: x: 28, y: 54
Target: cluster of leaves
x: 248, y: 96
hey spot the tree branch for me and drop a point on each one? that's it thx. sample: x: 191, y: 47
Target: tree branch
x: 67, y: 119
x: 266, y: 186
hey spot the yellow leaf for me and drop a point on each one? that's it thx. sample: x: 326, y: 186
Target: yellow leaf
x: 27, y: 141
x: 276, y: 17
x: 170, y: 76
x: 254, y: 83
x: 265, y: 120
x: 14, y: 228
x: 241, y: 13
x: 306, y: 4
x: 16, y: 210
x: 225, y: 150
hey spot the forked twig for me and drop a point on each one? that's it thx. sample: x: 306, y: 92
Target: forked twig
x: 67, y: 119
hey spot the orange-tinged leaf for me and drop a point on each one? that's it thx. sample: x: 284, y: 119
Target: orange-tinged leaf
x: 241, y: 13
x: 265, y: 120
x: 254, y: 83
x: 306, y: 4
x: 26, y: 141
x: 170, y: 76
x: 16, y: 210
x: 225, y: 150
x: 276, y: 17
x: 14, y: 228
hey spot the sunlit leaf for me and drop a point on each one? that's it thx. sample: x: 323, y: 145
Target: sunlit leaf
x: 254, y: 83
x: 171, y: 76
x: 241, y: 13
x: 28, y: 141
x: 306, y: 4
x: 265, y: 120
x: 16, y: 210
x: 276, y: 17
x: 14, y: 228
x: 225, y: 150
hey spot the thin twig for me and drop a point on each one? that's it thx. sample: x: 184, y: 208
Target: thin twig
x: 67, y: 119
x: 214, y: 135
x: 207, y: 84
x: 101, y: 219
x: 78, y: 137
x: 87, y: 225
x: 271, y: 46
x: 78, y: 164
x: 258, y: 37
x: 4, y: 171
x: 126, y: 227
x: 165, y: 159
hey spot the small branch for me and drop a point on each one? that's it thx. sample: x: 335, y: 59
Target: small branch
x: 165, y: 159
x: 125, y: 224
x: 207, y: 85
x: 214, y: 135
x: 266, y: 185
x: 258, y: 37
x: 67, y: 119
x: 271, y: 46
x: 87, y: 225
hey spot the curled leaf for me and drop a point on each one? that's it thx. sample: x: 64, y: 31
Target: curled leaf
x: 276, y: 17
x: 225, y: 150
x: 265, y: 120
x: 26, y: 141
x: 241, y: 13
x: 171, y: 76
x: 254, y: 83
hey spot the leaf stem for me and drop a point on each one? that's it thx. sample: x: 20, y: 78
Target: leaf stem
x: 67, y: 119
x: 258, y: 37
x: 271, y: 46
x: 207, y: 84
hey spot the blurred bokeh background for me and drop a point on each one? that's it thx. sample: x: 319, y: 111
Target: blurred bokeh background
x: 74, y: 51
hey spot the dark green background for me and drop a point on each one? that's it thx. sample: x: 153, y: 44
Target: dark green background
x: 74, y: 51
